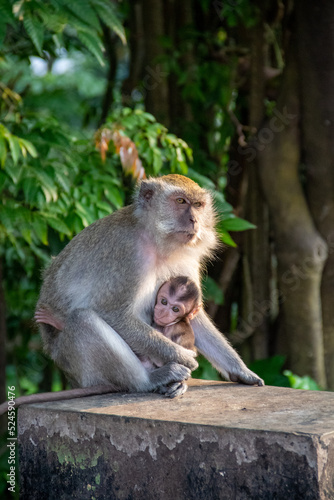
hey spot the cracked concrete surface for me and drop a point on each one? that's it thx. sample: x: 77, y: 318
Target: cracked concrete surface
x: 219, y: 441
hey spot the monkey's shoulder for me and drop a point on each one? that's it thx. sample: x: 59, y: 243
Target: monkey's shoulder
x: 107, y: 240
x: 122, y: 219
x: 106, y: 231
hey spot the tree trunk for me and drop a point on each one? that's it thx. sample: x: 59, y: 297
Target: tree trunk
x: 300, y: 250
x: 178, y: 16
x: 136, y: 44
x: 155, y: 77
x: 315, y: 60
x: 256, y: 248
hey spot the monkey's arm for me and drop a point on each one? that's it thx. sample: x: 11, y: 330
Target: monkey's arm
x: 211, y: 343
x: 146, y: 341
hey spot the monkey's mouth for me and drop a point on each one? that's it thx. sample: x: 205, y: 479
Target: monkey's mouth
x: 186, y: 236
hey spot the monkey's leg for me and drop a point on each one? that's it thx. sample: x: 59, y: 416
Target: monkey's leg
x: 92, y: 353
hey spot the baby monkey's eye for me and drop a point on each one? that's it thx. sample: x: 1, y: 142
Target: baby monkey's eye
x: 180, y: 200
x: 164, y: 302
x: 175, y: 309
x: 197, y: 204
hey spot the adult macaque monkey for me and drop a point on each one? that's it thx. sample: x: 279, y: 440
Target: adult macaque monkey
x: 102, y: 288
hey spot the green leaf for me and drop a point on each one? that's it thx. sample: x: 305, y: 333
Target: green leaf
x: 26, y: 233
x: 14, y: 146
x: 14, y: 172
x: 3, y: 180
x: 7, y: 217
x: 30, y: 190
x: 41, y: 229
x: 115, y: 196
x: 222, y: 206
x: 270, y: 370
x: 56, y: 223
x: 157, y: 161
x: 84, y: 214
x: 63, y: 180
x: 35, y: 30
x: 205, y: 370
x: 3, y: 150
x: 27, y: 146
x: 212, y: 291
x: 106, y: 10
x: 236, y: 224
x: 47, y: 184
x: 306, y: 382
x: 104, y: 206
x: 202, y: 180
x: 226, y: 238
x: 84, y: 11
x: 93, y: 44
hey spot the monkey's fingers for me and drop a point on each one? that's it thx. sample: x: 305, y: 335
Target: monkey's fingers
x: 173, y: 390
x: 188, y: 359
x: 176, y: 390
x: 247, y: 377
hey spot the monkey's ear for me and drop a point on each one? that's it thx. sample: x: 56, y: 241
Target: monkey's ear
x: 194, y: 311
x: 146, y: 192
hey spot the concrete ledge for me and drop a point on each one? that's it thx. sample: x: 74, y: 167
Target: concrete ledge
x: 219, y: 441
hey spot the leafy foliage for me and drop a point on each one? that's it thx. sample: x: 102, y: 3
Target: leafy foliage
x: 271, y: 370
x: 159, y: 150
x: 54, y: 23
x: 205, y: 370
x: 306, y: 382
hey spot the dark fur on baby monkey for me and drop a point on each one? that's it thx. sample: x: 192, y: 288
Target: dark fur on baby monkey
x: 102, y: 287
x: 177, y: 303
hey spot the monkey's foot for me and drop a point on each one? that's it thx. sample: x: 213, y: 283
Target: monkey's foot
x: 173, y: 390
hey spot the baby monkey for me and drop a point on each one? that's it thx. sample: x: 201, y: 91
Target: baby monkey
x: 178, y: 301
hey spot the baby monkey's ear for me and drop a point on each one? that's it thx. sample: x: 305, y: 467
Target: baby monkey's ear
x: 194, y: 311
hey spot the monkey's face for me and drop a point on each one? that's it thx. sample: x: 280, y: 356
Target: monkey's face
x: 187, y: 214
x: 176, y: 212
x: 169, y: 308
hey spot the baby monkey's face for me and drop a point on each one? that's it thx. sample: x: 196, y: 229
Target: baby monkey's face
x: 171, y: 308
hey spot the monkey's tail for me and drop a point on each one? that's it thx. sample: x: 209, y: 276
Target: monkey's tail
x: 44, y: 397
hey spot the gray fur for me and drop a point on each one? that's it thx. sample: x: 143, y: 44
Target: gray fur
x: 103, y: 285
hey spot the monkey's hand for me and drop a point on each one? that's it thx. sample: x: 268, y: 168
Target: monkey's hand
x: 173, y: 390
x: 187, y: 357
x: 246, y: 376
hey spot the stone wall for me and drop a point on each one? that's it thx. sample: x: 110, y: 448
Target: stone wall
x: 219, y: 441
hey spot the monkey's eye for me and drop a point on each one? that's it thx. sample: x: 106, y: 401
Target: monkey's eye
x: 175, y: 309
x: 180, y: 200
x: 197, y: 204
x: 164, y: 302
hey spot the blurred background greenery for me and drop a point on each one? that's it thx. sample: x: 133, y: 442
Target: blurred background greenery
x: 97, y: 93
